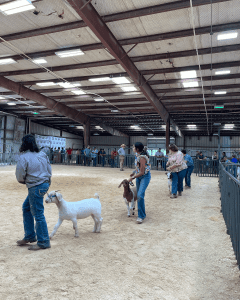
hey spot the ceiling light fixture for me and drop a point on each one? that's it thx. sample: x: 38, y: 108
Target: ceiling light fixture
x: 78, y: 92
x: 16, y: 7
x: 114, y: 110
x: 217, y: 124
x: 228, y: 126
x: 7, y: 61
x: 188, y: 84
x: 150, y: 133
x: 100, y: 79
x: 188, y: 74
x: 67, y: 85
x: 35, y: 113
x: 96, y: 133
x: 227, y: 35
x: 45, y: 83
x: 98, y: 99
x: 2, y: 98
x: 129, y: 89
x: 79, y: 127
x: 220, y: 93
x: 69, y: 53
x: 191, y: 126
x: 11, y: 103
x: 40, y: 61
x: 222, y: 72
x: 120, y: 80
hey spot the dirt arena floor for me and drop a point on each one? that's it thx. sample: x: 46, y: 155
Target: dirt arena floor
x: 181, y: 251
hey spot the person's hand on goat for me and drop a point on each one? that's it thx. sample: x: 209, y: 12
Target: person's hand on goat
x: 169, y: 168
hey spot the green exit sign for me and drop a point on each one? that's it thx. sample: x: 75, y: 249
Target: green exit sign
x: 219, y: 106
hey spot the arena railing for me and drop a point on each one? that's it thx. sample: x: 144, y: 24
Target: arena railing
x: 230, y: 202
x: 8, y: 158
x: 129, y: 162
x: 233, y: 169
x: 206, y: 168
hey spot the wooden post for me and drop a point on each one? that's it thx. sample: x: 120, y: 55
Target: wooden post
x: 167, y: 134
x: 87, y: 133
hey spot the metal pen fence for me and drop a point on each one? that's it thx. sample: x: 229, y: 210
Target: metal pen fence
x: 230, y: 202
x: 107, y: 161
x: 206, y: 168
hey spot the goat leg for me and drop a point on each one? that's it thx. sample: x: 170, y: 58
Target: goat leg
x: 75, y: 227
x: 56, y: 228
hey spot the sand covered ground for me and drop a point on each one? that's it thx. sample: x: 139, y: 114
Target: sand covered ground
x: 181, y: 251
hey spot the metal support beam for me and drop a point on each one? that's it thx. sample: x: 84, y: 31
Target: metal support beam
x: 93, y: 20
x: 111, y: 18
x: 86, y: 133
x: 4, y: 134
x: 167, y: 134
x: 203, y: 51
x: 51, y: 104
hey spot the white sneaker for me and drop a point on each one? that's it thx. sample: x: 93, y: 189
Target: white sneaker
x: 139, y: 220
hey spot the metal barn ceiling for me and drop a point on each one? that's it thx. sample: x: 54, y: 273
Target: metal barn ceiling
x: 147, y: 41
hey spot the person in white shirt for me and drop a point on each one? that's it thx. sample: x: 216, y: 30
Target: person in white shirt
x: 121, y: 153
x: 159, y: 154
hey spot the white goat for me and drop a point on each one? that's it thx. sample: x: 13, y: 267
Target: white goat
x: 76, y: 210
x: 129, y: 195
x: 169, y: 176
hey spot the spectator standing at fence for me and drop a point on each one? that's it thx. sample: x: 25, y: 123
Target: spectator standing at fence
x: 146, y: 150
x: 143, y: 177
x: 200, y: 156
x: 34, y: 170
x: 234, y: 159
x: 113, y: 157
x: 87, y: 155
x: 178, y: 168
x: 102, y: 156
x: 190, y: 167
x: 223, y: 157
x: 94, y: 155
x: 78, y: 156
x: 215, y: 156
x: 159, y: 154
x: 197, y: 154
x: 121, y: 153
x: 63, y: 155
x: 69, y: 154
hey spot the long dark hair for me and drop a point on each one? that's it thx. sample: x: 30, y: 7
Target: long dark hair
x: 140, y: 148
x: 29, y: 143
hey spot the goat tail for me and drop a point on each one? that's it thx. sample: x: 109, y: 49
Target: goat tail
x: 96, y: 195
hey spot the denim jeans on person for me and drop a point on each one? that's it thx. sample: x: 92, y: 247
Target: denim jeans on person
x: 177, y: 181
x: 103, y: 160
x: 94, y: 161
x: 142, y: 184
x: 188, y: 176
x: 33, y: 209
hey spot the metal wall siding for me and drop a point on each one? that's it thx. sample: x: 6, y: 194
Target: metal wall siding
x: 111, y: 141
x: 10, y: 122
x: 135, y: 139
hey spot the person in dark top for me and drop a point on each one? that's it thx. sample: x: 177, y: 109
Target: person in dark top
x: 223, y: 157
x: 200, y: 156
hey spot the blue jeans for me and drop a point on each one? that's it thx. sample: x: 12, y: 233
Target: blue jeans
x: 177, y: 181
x: 102, y: 161
x: 142, y: 184
x: 188, y: 176
x: 33, y: 209
x: 94, y: 161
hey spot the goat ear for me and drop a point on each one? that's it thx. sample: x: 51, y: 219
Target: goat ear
x: 120, y: 184
x: 59, y: 197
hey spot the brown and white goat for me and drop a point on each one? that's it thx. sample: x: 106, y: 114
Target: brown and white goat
x: 129, y: 195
